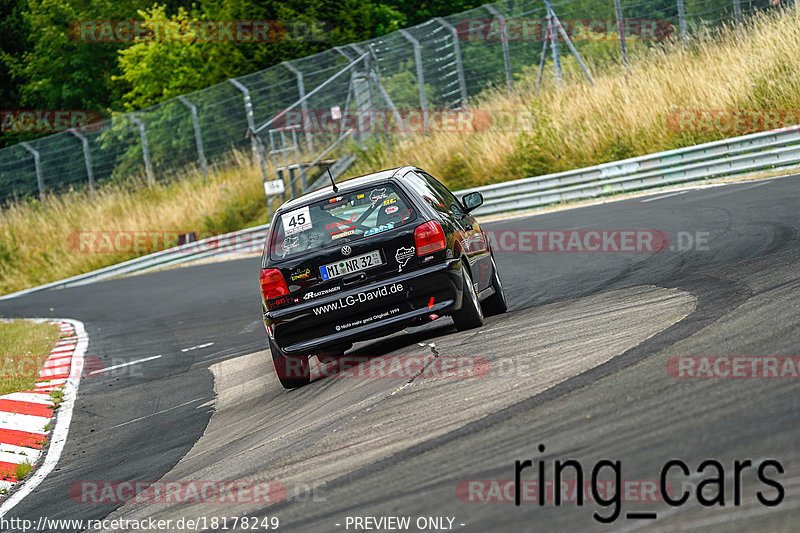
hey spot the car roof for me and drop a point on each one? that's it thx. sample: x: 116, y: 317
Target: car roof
x: 345, y: 186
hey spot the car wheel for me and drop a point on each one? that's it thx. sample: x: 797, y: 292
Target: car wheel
x: 470, y: 315
x: 496, y: 303
x: 292, y: 370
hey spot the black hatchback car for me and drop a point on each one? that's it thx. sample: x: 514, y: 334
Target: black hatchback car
x: 368, y: 258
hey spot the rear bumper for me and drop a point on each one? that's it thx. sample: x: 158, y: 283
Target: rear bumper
x: 371, y: 311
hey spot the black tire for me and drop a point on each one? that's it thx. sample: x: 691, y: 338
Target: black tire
x: 470, y: 315
x: 496, y: 303
x: 293, y: 371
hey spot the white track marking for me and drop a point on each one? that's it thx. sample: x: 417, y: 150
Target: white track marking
x: 56, y: 363
x: 31, y: 454
x: 121, y: 365
x: 58, y: 436
x: 51, y: 383
x: 29, y: 397
x: 664, y: 196
x: 206, y: 345
x: 53, y: 370
x: 156, y: 413
x: 29, y: 423
x: 15, y: 458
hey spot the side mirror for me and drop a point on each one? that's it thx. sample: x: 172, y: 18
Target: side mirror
x: 472, y: 201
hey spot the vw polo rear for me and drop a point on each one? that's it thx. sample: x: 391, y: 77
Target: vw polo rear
x: 357, y: 264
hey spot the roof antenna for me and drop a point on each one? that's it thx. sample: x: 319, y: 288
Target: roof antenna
x: 333, y: 183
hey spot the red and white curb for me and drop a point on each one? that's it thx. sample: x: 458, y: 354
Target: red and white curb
x: 27, y: 418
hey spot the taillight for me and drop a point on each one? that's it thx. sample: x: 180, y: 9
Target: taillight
x: 429, y: 237
x: 272, y: 283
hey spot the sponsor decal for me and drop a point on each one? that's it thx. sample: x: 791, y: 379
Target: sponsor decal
x: 378, y: 229
x: 377, y: 194
x: 289, y: 243
x: 334, y: 225
x: 402, y: 255
x: 390, y: 201
x: 337, y: 199
x: 360, y: 196
x: 283, y: 300
x: 296, y: 221
x: 343, y: 234
x: 364, y: 321
x: 317, y: 294
x: 391, y: 209
x: 301, y: 274
x: 361, y: 297
x: 405, y: 214
x: 314, y: 237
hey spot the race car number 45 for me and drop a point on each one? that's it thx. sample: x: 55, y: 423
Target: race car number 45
x: 350, y: 265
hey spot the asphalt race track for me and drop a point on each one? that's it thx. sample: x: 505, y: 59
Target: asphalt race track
x: 579, y: 365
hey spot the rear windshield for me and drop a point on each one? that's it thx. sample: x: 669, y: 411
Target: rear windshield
x: 338, y: 220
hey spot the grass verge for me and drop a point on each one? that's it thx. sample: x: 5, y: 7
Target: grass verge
x: 752, y: 68
x: 24, y: 347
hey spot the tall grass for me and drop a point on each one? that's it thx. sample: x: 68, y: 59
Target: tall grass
x: 750, y: 68
x: 623, y: 115
x: 38, y: 240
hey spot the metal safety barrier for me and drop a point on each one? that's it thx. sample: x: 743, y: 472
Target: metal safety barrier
x: 719, y: 159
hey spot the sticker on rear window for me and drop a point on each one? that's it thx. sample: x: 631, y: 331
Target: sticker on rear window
x: 382, y: 227
x: 377, y: 194
x: 296, y: 221
x: 391, y: 209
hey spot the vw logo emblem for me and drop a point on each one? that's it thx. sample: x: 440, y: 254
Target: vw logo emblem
x: 346, y: 250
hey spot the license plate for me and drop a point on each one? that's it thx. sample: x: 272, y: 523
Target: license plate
x: 350, y: 265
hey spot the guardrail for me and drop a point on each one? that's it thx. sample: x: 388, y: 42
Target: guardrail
x: 246, y: 241
x: 725, y: 158
x: 719, y: 159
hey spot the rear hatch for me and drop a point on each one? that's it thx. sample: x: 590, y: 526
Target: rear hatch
x: 348, y: 241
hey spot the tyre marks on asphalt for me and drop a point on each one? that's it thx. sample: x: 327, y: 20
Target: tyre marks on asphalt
x: 307, y: 437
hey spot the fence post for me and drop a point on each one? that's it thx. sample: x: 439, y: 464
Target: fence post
x: 462, y: 84
x: 198, y: 138
x: 621, y: 30
x: 551, y: 26
x: 37, y: 165
x: 504, y: 42
x: 259, y: 146
x: 423, y: 98
x: 87, y: 159
x: 682, y: 23
x: 301, y: 92
x: 148, y: 167
x: 248, y: 111
x: 343, y: 53
x: 557, y: 24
